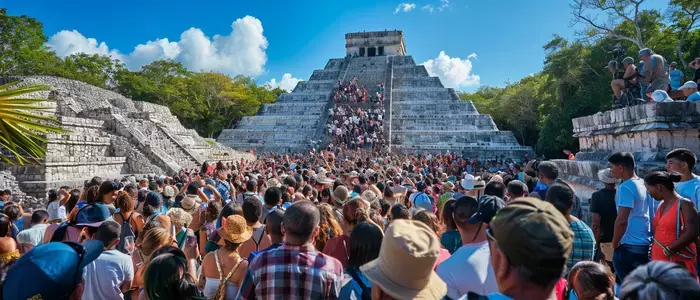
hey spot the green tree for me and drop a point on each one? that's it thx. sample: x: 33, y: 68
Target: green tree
x: 94, y: 69
x: 22, y: 50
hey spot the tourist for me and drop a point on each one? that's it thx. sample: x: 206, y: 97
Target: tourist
x: 14, y: 212
x: 628, y: 80
x: 87, y: 220
x: 695, y: 64
x: 224, y: 269
x: 392, y: 278
x: 365, y: 242
x: 548, y: 174
x: 251, y: 189
x: 469, y: 269
x: 496, y: 188
x: 682, y: 161
x: 590, y: 280
x: 180, y: 219
x: 329, y: 227
x: 675, y: 75
x: 51, y: 271
x: 562, y: 197
x: 448, y: 191
x: 110, y: 275
x: 57, y: 212
x: 632, y: 232
x: 654, y: 75
x: 252, y: 209
x: 308, y: 265
x: 603, y: 214
x: 690, y: 91
x: 5, y: 197
x: 432, y: 221
x: 72, y: 201
x: 193, y: 203
x: 660, y: 280
x: 354, y: 212
x: 34, y: 235
x: 207, y: 232
x: 675, y: 222
x: 529, y: 243
x: 221, y: 184
x: 153, y: 210
x: 516, y: 189
x: 9, y: 250
x: 340, y: 196
x: 130, y: 221
x: 272, y: 200
x: 399, y: 212
x: 170, y: 276
x: 153, y: 239
x: 273, y: 228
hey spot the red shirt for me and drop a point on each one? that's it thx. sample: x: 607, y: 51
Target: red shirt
x: 339, y: 247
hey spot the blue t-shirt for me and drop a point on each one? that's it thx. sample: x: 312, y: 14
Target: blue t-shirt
x: 224, y: 189
x: 451, y: 240
x: 20, y: 223
x: 690, y: 190
x: 351, y: 289
x: 693, y: 97
x: 633, y: 194
x: 676, y: 76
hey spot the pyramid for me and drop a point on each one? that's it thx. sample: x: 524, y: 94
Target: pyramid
x: 423, y: 116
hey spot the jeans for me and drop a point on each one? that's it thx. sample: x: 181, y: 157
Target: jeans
x: 626, y: 258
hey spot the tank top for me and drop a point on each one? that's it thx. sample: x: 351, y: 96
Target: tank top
x: 211, y: 285
x: 258, y: 234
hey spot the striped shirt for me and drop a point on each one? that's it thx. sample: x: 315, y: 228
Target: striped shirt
x: 292, y: 272
x: 584, y: 244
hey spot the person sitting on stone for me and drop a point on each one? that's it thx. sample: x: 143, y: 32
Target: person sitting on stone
x: 655, y: 75
x: 628, y: 80
x: 690, y: 91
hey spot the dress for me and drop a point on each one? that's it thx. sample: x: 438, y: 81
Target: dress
x: 667, y: 228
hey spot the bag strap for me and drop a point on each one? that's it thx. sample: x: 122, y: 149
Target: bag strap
x: 365, y: 291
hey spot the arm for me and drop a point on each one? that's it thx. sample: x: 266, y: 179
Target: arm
x: 202, y: 240
x: 630, y: 73
x: 623, y: 214
x: 690, y: 233
x: 595, y: 226
x: 66, y: 196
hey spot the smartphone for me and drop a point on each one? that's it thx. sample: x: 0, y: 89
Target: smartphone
x: 191, y: 240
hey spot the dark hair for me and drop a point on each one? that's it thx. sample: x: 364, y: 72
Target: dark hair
x: 4, y: 225
x: 73, y: 200
x: 39, y: 216
x: 548, y: 169
x: 384, y: 206
x: 273, y: 222
x: 252, y: 209
x: 660, y: 280
x: 149, y: 210
x: 106, y: 187
x: 663, y: 178
x: 162, y: 279
x: 562, y: 197
x: 592, y: 276
x: 132, y: 190
x: 365, y: 241
x: 272, y: 196
x: 430, y: 219
x: 464, y: 208
x: 108, y: 232
x: 92, y: 194
x: 399, y: 211
x: 231, y: 208
x: 355, y: 211
x: 624, y: 159
x: 447, y: 210
x: 193, y: 188
x: 251, y: 185
x: 124, y: 202
x: 301, y: 219
x: 52, y: 196
x: 212, y: 212
x: 517, y: 187
x: 12, y: 211
x: 95, y: 181
x: 495, y: 188
x: 683, y: 155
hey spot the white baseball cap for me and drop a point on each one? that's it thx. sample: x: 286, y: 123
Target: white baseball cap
x: 660, y: 96
x: 689, y: 85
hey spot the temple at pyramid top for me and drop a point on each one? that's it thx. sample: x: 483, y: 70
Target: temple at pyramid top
x: 420, y: 114
x: 375, y: 43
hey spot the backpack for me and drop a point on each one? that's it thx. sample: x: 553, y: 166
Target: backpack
x: 127, y: 231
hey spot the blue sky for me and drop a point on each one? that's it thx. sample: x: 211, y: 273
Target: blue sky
x: 507, y: 36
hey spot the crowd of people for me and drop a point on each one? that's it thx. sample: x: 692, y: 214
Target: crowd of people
x: 359, y: 224
x: 354, y: 128
x: 352, y: 92
x: 653, y: 80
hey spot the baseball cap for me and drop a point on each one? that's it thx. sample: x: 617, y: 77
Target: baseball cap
x: 660, y: 96
x: 93, y: 215
x: 488, y: 207
x: 689, y: 85
x: 628, y: 60
x: 534, y: 234
x: 50, y: 271
x: 645, y: 51
x: 468, y: 182
x: 464, y: 208
x: 673, y: 64
x: 422, y: 200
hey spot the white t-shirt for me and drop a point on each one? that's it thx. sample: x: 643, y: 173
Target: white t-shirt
x: 469, y: 270
x: 56, y: 211
x: 105, y: 275
x: 690, y: 189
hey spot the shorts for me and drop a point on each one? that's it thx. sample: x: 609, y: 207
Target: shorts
x: 629, y: 84
x: 658, y: 84
x: 607, y: 250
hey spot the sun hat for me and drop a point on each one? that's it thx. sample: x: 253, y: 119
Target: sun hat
x: 468, y: 182
x: 606, y: 176
x: 407, y: 241
x: 50, y: 271
x: 93, y: 215
x: 628, y: 60
x: 689, y: 85
x: 235, y: 229
x: 660, y: 96
x: 321, y: 178
x: 645, y: 51
x: 534, y: 234
x: 341, y: 194
x: 422, y: 200
x: 190, y: 203
x: 369, y: 196
x: 179, y: 216
x: 168, y: 192
x: 673, y: 64
x: 488, y: 207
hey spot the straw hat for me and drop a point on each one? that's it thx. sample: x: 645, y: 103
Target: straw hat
x: 179, y: 216
x: 190, y: 203
x: 606, y: 176
x: 321, y: 178
x: 235, y: 230
x: 407, y: 240
x: 369, y: 196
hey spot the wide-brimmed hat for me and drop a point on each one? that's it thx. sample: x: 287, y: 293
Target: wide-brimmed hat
x: 321, y: 178
x: 606, y: 176
x: 369, y: 196
x: 404, y: 241
x: 468, y: 182
x: 341, y: 194
x: 190, y: 203
x: 235, y: 230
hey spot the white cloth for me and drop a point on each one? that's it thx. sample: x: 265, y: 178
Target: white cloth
x: 211, y: 284
x: 469, y: 270
x: 105, y: 275
x: 33, y: 235
x: 56, y: 211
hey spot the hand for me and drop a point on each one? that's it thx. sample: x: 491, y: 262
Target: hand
x: 191, y: 251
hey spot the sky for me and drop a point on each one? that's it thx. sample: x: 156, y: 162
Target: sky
x: 467, y: 43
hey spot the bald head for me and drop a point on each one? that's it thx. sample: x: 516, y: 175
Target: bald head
x: 300, y: 221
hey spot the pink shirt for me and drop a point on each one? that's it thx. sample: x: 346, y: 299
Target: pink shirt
x: 444, y: 255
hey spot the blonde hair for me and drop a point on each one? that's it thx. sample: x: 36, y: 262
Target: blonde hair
x: 328, y: 226
x: 179, y: 217
x: 154, y: 239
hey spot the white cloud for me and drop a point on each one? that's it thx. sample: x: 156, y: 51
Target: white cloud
x: 444, y: 4
x: 240, y: 52
x: 287, y: 83
x: 405, y: 7
x: 454, y: 72
x: 472, y: 56
x: 428, y: 8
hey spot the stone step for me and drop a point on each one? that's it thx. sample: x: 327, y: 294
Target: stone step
x: 417, y: 82
x: 440, y: 94
x: 453, y: 136
x: 77, y: 139
x: 295, y: 97
x: 409, y: 71
x: 465, y: 122
x: 311, y: 86
x: 424, y: 108
x: 325, y: 75
x: 293, y: 109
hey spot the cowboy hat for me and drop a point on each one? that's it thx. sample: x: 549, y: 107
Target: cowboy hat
x: 235, y: 230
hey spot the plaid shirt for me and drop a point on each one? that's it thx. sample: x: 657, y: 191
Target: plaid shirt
x: 584, y: 244
x: 292, y: 272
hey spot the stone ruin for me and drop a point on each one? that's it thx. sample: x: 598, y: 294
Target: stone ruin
x: 647, y: 131
x: 423, y: 116
x: 110, y: 136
